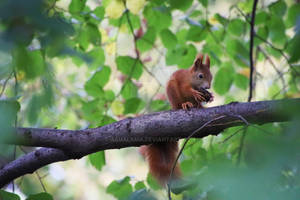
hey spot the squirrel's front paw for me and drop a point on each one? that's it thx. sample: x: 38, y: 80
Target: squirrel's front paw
x: 187, y: 105
x: 198, y: 96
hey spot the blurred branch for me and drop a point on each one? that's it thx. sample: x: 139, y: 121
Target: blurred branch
x: 5, y: 83
x: 252, y: 33
x: 281, y: 51
x: 280, y: 74
x: 146, y: 129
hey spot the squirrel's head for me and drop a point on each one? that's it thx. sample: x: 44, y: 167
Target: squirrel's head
x: 201, y: 76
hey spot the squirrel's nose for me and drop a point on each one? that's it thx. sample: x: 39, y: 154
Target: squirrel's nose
x: 207, y: 87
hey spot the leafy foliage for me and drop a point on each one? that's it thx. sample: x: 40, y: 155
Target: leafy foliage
x: 82, y: 64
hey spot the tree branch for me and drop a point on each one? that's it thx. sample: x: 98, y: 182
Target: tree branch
x: 252, y: 33
x: 157, y: 127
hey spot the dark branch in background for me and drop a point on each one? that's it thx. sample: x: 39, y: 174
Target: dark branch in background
x: 157, y: 127
x: 252, y: 33
x: 281, y: 51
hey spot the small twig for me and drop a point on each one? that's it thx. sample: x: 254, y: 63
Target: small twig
x: 40, y: 180
x: 280, y: 75
x: 182, y: 148
x: 252, y: 33
x: 233, y: 134
x: 36, y: 172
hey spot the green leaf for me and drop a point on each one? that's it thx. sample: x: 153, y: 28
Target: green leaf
x: 293, y: 14
x: 159, y: 105
x: 277, y: 30
x: 196, y: 34
x: 152, y: 182
x: 278, y: 8
x: 109, y: 95
x: 40, y: 196
x: 141, y: 194
x: 237, y: 51
x: 261, y: 17
x: 106, y: 120
x: 181, y: 36
x: 93, y: 33
x: 183, y: 56
x: 204, y: 3
x: 30, y: 62
x: 135, y: 21
x: 97, y: 54
x: 129, y: 66
x: 241, y: 81
x: 262, y: 32
x: 97, y: 159
x: 221, y: 19
x: 293, y: 48
x: 120, y: 189
x: 139, y: 185
x: 33, y: 108
x: 99, y: 12
x: 133, y: 105
x: 89, y: 34
x: 154, y: 15
x: 236, y: 27
x: 8, y: 195
x: 168, y: 39
x: 117, y: 107
x: 93, y: 110
x: 146, y: 42
x: 94, y: 86
x: 223, y: 79
x: 129, y: 90
x: 181, y: 5
x: 76, y: 6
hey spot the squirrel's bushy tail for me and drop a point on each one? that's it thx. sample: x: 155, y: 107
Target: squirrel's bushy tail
x: 161, y: 157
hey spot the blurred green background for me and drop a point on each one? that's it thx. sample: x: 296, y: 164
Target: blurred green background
x: 86, y: 63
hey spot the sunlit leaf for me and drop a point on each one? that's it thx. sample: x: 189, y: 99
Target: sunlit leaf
x: 181, y: 5
x: 94, y: 86
x: 8, y: 195
x: 133, y: 105
x: 97, y: 159
x: 241, y: 81
x: 129, y: 66
x: 76, y: 6
x: 161, y: 15
x: 169, y: 40
x: 40, y: 196
x: 129, y: 90
x: 30, y: 62
x: 120, y: 189
x: 278, y: 7
x: 146, y: 42
x: 293, y: 14
x: 223, y: 79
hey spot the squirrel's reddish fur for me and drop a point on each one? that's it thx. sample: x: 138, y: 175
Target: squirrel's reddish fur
x: 182, y: 91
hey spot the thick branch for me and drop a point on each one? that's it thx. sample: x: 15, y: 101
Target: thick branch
x: 156, y: 127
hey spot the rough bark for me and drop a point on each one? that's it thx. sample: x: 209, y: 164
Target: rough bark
x: 61, y: 145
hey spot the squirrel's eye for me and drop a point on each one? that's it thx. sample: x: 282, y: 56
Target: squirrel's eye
x: 200, y: 75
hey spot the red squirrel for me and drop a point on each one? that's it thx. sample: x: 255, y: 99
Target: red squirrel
x: 185, y: 89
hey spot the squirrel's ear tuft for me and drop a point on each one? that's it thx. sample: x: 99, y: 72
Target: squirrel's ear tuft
x: 198, y: 62
x: 207, y: 61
